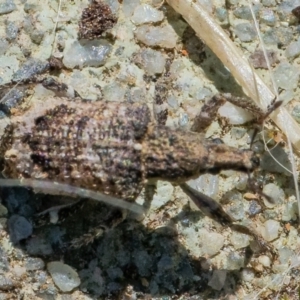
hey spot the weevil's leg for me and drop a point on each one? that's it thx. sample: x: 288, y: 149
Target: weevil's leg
x: 245, y: 104
x: 150, y: 190
x: 208, y: 113
x: 252, y: 107
x: 60, y: 89
x: 214, y: 210
x: 99, y: 229
x: 250, y: 230
x: 207, y: 205
x: 260, y: 115
x: 57, y: 214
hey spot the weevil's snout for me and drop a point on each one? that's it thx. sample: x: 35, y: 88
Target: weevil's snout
x: 222, y: 157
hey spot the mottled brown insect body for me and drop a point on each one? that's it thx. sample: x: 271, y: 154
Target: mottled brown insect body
x: 113, y: 148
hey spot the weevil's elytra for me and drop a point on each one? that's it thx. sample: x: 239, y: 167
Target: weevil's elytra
x: 109, y: 147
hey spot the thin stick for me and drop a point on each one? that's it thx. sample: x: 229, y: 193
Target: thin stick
x: 65, y: 189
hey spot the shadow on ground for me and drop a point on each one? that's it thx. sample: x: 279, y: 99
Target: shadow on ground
x: 152, y: 262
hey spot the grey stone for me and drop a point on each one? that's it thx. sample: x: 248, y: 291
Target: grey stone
x: 65, y: 277
x: 7, y: 6
x: 11, y: 31
x: 34, y: 263
x: 19, y: 228
x: 6, y: 283
x: 245, y: 32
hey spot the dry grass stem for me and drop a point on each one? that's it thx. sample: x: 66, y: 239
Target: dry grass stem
x: 218, y: 41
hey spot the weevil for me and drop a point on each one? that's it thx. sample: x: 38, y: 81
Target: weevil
x: 115, y: 148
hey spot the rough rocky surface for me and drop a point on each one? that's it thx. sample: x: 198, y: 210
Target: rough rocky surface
x: 147, y: 53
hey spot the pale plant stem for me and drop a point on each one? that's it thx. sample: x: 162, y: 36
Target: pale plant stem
x: 218, y: 41
x: 73, y: 191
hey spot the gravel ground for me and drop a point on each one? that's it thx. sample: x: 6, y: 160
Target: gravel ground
x: 175, y: 251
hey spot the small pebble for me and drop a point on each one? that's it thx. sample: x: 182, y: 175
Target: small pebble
x: 11, y: 31
x: 173, y: 101
x: 37, y: 36
x: 254, y: 208
x: 268, y: 3
x: 218, y: 279
x: 6, y: 284
x: 7, y: 6
x: 235, y: 115
x: 245, y: 32
x: 202, y: 93
x: 164, y: 192
x: 285, y: 255
x: 4, y: 45
x: 236, y: 206
x: 202, y: 242
x: 222, y: 14
x: 296, y: 113
x: 207, y: 184
x: 293, y: 50
x: 269, y: 164
x: 239, y: 240
x: 19, y: 228
x: 244, y: 12
x: 157, y: 36
x: 146, y: 14
x: 64, y: 277
x: 275, y: 193
x: 114, y: 92
x: 264, y: 260
x: 183, y: 120
x: 270, y: 231
x: 129, y: 6
x: 137, y: 94
x: 250, y: 196
x: 89, y: 54
x: 235, y: 261
x: 247, y: 274
x: 258, y: 60
x: 258, y: 147
x: 39, y: 246
x: 290, y: 211
x: 143, y: 262
x: 3, y: 211
x: 18, y: 270
x: 34, y: 263
x: 268, y: 17
x: 11, y: 100
x: 237, y: 132
x: 278, y: 36
x: 152, y: 61
x: 29, y: 69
